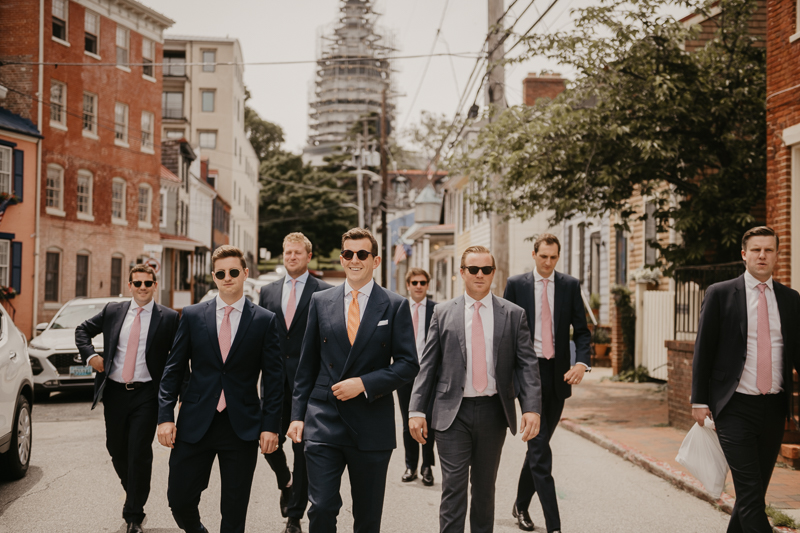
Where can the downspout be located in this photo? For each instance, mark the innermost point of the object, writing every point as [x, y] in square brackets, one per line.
[37, 238]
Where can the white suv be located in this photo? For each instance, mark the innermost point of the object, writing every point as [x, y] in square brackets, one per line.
[16, 400]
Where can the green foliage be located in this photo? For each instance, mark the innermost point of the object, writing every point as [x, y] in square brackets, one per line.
[624, 305]
[265, 136]
[594, 301]
[633, 375]
[781, 519]
[684, 129]
[601, 336]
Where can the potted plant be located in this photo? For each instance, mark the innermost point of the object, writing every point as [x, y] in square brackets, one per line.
[601, 340]
[7, 293]
[594, 305]
[648, 275]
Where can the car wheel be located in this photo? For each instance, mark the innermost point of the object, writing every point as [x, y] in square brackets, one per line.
[16, 460]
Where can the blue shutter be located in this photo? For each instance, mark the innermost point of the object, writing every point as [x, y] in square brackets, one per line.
[19, 176]
[16, 266]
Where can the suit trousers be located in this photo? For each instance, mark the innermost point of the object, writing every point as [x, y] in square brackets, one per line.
[409, 444]
[469, 451]
[367, 471]
[750, 430]
[190, 469]
[536, 476]
[278, 463]
[131, 418]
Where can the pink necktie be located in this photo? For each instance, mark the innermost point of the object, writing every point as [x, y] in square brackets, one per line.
[291, 305]
[132, 350]
[224, 348]
[764, 344]
[548, 347]
[415, 318]
[479, 378]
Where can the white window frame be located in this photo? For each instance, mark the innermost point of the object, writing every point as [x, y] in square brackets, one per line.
[92, 131]
[58, 106]
[148, 58]
[86, 215]
[162, 216]
[209, 66]
[86, 23]
[146, 223]
[65, 5]
[121, 128]
[200, 135]
[796, 35]
[203, 93]
[148, 132]
[175, 134]
[125, 35]
[121, 221]
[6, 169]
[57, 208]
[5, 262]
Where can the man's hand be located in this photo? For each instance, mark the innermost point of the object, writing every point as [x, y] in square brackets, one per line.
[700, 413]
[575, 374]
[269, 442]
[418, 427]
[348, 389]
[96, 362]
[295, 431]
[529, 427]
[166, 434]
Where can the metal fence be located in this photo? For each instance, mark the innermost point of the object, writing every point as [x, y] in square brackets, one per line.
[691, 283]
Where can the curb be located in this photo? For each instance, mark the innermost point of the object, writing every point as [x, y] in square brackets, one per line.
[680, 479]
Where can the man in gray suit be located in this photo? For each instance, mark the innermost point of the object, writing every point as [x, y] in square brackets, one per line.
[477, 344]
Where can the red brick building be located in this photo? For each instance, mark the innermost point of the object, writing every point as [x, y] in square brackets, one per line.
[100, 169]
[544, 85]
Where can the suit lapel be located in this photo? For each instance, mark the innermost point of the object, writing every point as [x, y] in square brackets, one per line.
[376, 305]
[274, 295]
[151, 332]
[241, 331]
[211, 326]
[558, 290]
[308, 290]
[336, 315]
[500, 315]
[741, 303]
[115, 331]
[459, 325]
[529, 300]
[785, 314]
[428, 315]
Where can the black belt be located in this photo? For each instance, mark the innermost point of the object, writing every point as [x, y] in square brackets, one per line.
[131, 385]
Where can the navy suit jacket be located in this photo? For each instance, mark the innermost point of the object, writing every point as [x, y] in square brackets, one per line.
[255, 350]
[160, 334]
[568, 310]
[291, 338]
[383, 355]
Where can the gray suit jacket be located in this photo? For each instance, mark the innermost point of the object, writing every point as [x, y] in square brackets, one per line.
[443, 368]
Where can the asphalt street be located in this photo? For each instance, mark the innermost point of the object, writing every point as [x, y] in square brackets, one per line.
[71, 487]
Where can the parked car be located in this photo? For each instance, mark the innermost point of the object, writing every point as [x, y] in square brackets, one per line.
[252, 289]
[57, 364]
[16, 400]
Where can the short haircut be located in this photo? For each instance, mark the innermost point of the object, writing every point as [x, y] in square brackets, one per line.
[476, 250]
[226, 250]
[356, 234]
[760, 231]
[147, 269]
[547, 238]
[417, 272]
[298, 237]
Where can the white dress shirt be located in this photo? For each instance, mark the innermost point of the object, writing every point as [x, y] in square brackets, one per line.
[298, 290]
[487, 318]
[363, 298]
[421, 311]
[747, 385]
[235, 317]
[140, 372]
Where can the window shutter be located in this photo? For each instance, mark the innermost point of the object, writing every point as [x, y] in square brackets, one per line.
[16, 266]
[19, 176]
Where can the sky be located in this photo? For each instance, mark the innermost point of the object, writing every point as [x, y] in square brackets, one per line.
[288, 30]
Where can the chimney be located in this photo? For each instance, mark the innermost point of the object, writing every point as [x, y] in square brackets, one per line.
[543, 85]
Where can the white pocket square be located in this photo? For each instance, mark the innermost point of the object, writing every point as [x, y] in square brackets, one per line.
[383, 323]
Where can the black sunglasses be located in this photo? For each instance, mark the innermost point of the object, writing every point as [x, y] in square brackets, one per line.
[138, 284]
[415, 283]
[474, 269]
[220, 274]
[361, 254]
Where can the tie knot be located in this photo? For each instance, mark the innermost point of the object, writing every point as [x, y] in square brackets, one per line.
[416, 305]
[762, 287]
[139, 311]
[544, 281]
[355, 295]
[294, 282]
[478, 306]
[228, 309]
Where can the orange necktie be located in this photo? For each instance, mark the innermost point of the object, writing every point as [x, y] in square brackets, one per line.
[353, 318]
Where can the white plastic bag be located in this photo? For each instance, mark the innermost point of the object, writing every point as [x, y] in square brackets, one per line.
[702, 455]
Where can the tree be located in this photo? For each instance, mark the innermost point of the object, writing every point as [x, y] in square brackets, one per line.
[684, 129]
[265, 137]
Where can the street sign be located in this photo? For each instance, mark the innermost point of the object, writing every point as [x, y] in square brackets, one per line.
[154, 264]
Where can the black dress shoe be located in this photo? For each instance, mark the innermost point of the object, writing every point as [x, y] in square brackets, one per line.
[293, 526]
[134, 527]
[523, 519]
[427, 476]
[286, 495]
[409, 475]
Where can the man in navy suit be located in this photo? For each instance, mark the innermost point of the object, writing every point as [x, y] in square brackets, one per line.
[553, 303]
[288, 298]
[417, 281]
[358, 348]
[137, 336]
[229, 341]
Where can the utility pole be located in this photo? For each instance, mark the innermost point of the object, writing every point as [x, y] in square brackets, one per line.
[359, 182]
[385, 194]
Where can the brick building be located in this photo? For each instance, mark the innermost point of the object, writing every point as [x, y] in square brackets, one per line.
[100, 175]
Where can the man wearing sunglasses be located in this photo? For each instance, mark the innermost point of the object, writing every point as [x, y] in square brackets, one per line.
[137, 336]
[478, 349]
[417, 281]
[358, 348]
[230, 342]
[288, 298]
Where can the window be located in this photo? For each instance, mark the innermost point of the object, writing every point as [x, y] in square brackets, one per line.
[5, 262]
[90, 113]
[147, 130]
[148, 53]
[58, 99]
[174, 63]
[581, 253]
[118, 199]
[208, 139]
[91, 30]
[171, 105]
[208, 101]
[622, 258]
[5, 169]
[82, 275]
[568, 252]
[594, 262]
[60, 11]
[121, 123]
[52, 267]
[209, 60]
[116, 276]
[55, 187]
[162, 214]
[175, 134]
[84, 197]
[650, 234]
[144, 204]
[123, 36]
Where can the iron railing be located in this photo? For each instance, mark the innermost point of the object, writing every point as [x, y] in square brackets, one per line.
[691, 283]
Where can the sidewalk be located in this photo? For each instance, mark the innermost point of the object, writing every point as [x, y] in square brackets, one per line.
[630, 419]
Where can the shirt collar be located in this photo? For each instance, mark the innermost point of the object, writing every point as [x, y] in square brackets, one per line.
[751, 282]
[147, 308]
[486, 301]
[238, 305]
[422, 303]
[302, 278]
[537, 277]
[366, 290]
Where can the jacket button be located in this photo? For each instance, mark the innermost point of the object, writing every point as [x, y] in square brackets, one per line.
[330, 365]
[288, 337]
[383, 345]
[287, 357]
[325, 339]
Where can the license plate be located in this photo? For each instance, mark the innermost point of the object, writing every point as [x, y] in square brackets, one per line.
[80, 371]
